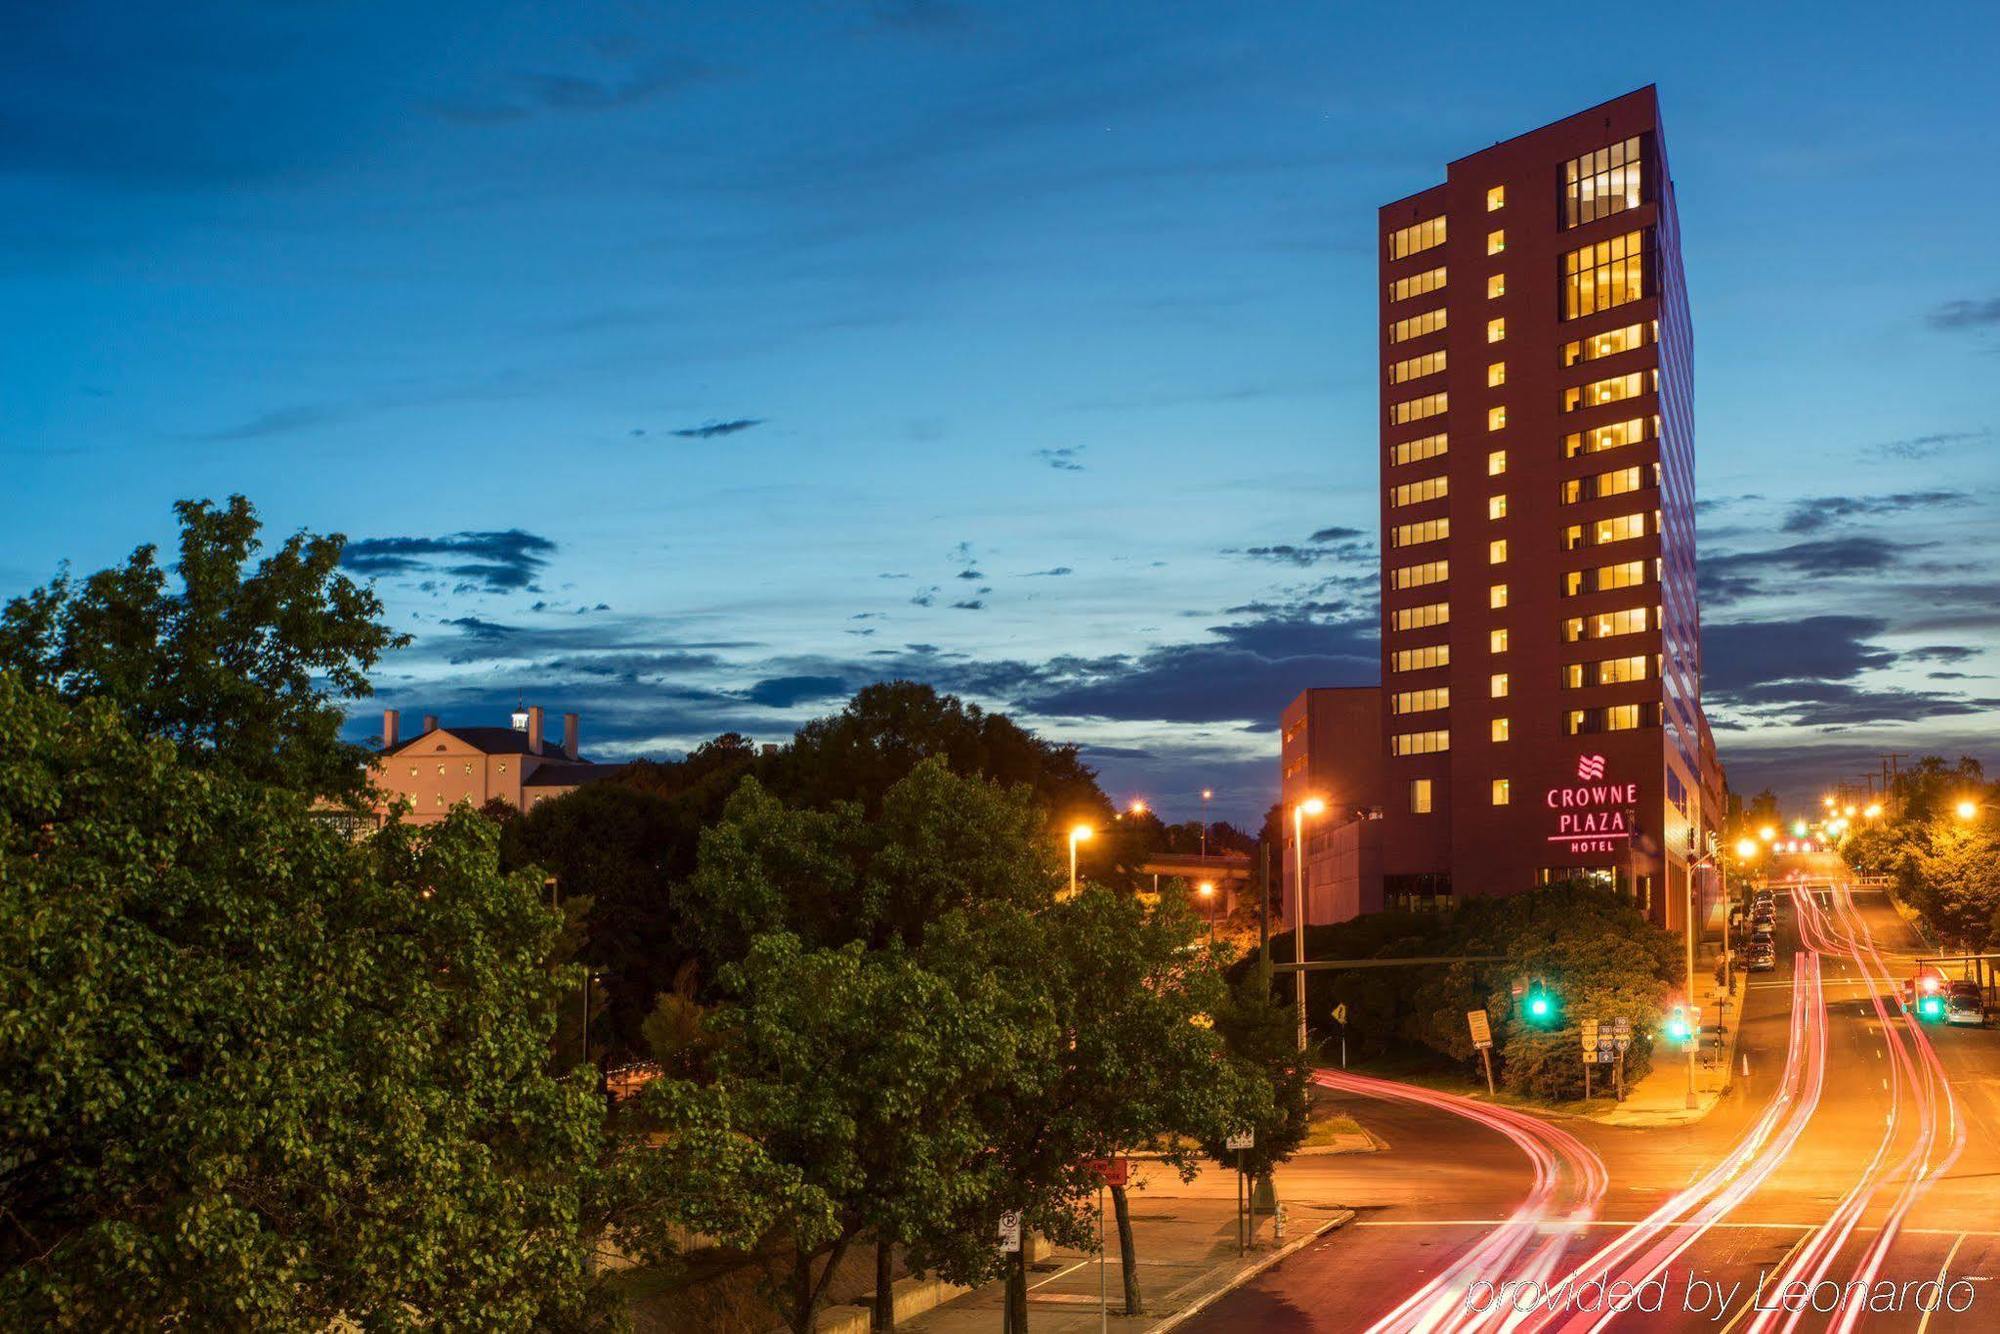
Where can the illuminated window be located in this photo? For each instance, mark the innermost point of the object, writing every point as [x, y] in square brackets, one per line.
[1496, 507]
[1610, 343]
[1424, 530]
[1626, 574]
[1496, 285]
[1416, 409]
[1499, 729]
[1496, 462]
[1416, 576]
[503, 766]
[1620, 529]
[1420, 743]
[1496, 199]
[1417, 284]
[1418, 236]
[1420, 796]
[1615, 436]
[1496, 417]
[1496, 551]
[1496, 374]
[1416, 451]
[1415, 493]
[1416, 618]
[1609, 273]
[1615, 718]
[1611, 389]
[1412, 368]
[1614, 483]
[1496, 596]
[1501, 792]
[1420, 659]
[1497, 685]
[1420, 701]
[1496, 330]
[1602, 183]
[1609, 624]
[1496, 241]
[1496, 640]
[1416, 326]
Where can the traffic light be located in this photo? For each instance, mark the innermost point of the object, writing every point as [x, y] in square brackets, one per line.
[1678, 1027]
[1543, 1006]
[1931, 1007]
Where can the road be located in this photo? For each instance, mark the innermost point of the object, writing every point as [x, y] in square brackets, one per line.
[1858, 1150]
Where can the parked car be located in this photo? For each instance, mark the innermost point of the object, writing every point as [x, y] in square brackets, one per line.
[1761, 957]
[1965, 1005]
[1762, 932]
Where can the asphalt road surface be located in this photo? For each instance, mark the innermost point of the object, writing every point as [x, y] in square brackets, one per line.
[1858, 1159]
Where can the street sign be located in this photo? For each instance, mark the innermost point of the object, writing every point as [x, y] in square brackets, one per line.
[1607, 1047]
[1242, 1139]
[1340, 1013]
[1622, 1026]
[1111, 1171]
[1482, 1028]
[1587, 1031]
[1010, 1232]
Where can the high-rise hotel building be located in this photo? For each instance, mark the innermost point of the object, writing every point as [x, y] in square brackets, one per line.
[1540, 704]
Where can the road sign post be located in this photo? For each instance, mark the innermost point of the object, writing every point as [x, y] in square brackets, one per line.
[1588, 1033]
[1340, 1017]
[1482, 1038]
[1621, 1038]
[1237, 1143]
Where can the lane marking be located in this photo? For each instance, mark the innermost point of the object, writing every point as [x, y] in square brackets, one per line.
[1943, 1269]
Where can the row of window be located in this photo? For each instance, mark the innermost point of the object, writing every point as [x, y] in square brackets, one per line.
[1608, 625]
[1607, 671]
[1420, 701]
[1412, 368]
[1625, 574]
[1621, 528]
[1416, 326]
[1417, 237]
[1604, 275]
[1420, 743]
[1576, 722]
[1416, 409]
[1421, 617]
[1420, 659]
[1616, 435]
[1599, 184]
[1416, 576]
[1416, 451]
[1416, 493]
[1417, 284]
[1611, 342]
[1424, 530]
[1611, 389]
[1617, 482]
[1612, 718]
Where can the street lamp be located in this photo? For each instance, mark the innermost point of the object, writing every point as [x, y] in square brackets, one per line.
[1138, 806]
[1968, 809]
[1767, 833]
[1207, 890]
[1874, 811]
[1310, 806]
[1206, 793]
[1077, 834]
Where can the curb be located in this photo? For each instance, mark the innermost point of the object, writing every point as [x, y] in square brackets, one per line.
[1339, 1219]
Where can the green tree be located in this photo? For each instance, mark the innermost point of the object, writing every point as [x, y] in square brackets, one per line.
[254, 1074]
[1958, 881]
[242, 669]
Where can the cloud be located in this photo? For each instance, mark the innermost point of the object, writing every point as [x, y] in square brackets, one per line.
[1053, 572]
[493, 562]
[784, 692]
[970, 574]
[925, 596]
[713, 429]
[1063, 459]
[1748, 655]
[1840, 704]
[970, 604]
[1811, 515]
[1326, 535]
[1975, 314]
[1941, 653]
[277, 421]
[1737, 575]
[530, 91]
[1918, 447]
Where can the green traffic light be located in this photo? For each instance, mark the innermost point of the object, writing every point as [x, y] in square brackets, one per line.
[1539, 1007]
[1931, 1007]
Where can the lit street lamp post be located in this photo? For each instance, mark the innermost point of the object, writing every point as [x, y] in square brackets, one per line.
[1207, 889]
[1310, 806]
[1206, 793]
[1077, 834]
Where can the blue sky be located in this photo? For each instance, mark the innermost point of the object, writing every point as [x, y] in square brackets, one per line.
[691, 365]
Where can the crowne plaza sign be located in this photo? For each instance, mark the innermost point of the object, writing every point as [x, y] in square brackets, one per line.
[1592, 815]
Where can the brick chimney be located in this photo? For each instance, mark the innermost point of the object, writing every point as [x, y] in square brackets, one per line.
[570, 730]
[392, 723]
[534, 729]
[430, 723]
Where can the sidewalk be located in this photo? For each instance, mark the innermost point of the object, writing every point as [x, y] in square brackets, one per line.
[1660, 1099]
[1185, 1238]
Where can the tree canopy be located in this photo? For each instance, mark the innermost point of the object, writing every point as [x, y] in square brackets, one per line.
[243, 669]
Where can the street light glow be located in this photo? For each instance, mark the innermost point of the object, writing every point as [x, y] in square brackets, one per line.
[1138, 806]
[1080, 833]
[1873, 812]
[1207, 888]
[1746, 848]
[1767, 833]
[1967, 809]
[1312, 806]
